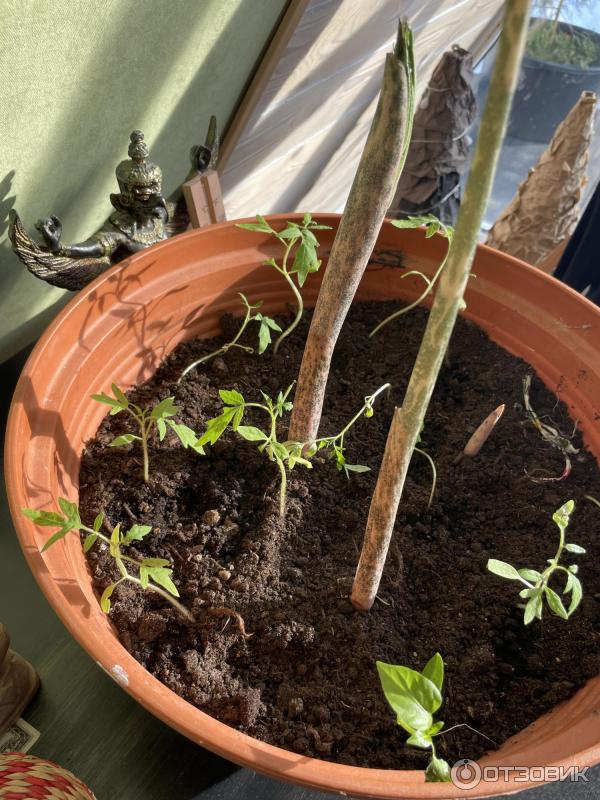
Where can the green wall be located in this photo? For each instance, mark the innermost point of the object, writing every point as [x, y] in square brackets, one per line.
[77, 77]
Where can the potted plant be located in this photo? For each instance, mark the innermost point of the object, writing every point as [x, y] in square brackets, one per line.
[123, 331]
[561, 61]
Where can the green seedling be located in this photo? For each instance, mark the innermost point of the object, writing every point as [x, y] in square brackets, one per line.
[537, 583]
[305, 257]
[161, 417]
[287, 454]
[432, 226]
[265, 326]
[415, 697]
[335, 444]
[153, 574]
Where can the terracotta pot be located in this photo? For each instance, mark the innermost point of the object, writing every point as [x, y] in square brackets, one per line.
[125, 323]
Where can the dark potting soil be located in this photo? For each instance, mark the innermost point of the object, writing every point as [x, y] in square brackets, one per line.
[305, 679]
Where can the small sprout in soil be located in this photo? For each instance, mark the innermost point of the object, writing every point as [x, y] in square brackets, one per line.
[426, 455]
[415, 697]
[305, 257]
[481, 435]
[153, 573]
[285, 454]
[266, 325]
[432, 226]
[592, 499]
[335, 444]
[551, 434]
[146, 418]
[536, 583]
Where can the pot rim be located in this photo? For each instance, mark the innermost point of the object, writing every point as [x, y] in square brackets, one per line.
[150, 692]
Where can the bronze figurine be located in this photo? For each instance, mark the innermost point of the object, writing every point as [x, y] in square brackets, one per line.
[142, 217]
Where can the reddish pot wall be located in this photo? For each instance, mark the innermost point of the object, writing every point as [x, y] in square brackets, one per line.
[125, 323]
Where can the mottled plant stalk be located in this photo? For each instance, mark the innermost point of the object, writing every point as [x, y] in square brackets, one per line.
[370, 196]
[408, 420]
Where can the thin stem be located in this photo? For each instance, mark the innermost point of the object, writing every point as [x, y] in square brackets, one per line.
[283, 486]
[258, 405]
[430, 284]
[465, 725]
[299, 303]
[223, 349]
[139, 416]
[434, 473]
[367, 404]
[145, 455]
[165, 595]
[273, 438]
[120, 558]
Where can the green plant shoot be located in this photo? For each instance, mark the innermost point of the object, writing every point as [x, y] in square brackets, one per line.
[432, 226]
[305, 257]
[153, 574]
[415, 697]
[431, 462]
[265, 326]
[537, 583]
[287, 454]
[161, 417]
[335, 444]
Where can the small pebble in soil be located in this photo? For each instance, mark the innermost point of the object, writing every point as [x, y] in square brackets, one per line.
[211, 517]
[295, 707]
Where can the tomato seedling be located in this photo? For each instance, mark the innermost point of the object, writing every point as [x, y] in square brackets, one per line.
[265, 326]
[305, 257]
[153, 574]
[415, 697]
[537, 583]
[161, 417]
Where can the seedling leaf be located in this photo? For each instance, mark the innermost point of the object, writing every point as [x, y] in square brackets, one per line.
[60, 534]
[119, 395]
[555, 603]
[503, 569]
[251, 433]
[109, 401]
[400, 682]
[186, 436]
[105, 599]
[136, 533]
[166, 408]
[438, 771]
[231, 397]
[125, 438]
[48, 519]
[434, 670]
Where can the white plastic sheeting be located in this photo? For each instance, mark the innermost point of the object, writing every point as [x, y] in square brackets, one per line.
[301, 145]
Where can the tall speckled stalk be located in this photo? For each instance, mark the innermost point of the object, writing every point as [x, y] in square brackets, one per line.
[408, 420]
[370, 196]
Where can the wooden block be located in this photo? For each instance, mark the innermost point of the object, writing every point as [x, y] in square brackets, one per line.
[204, 199]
